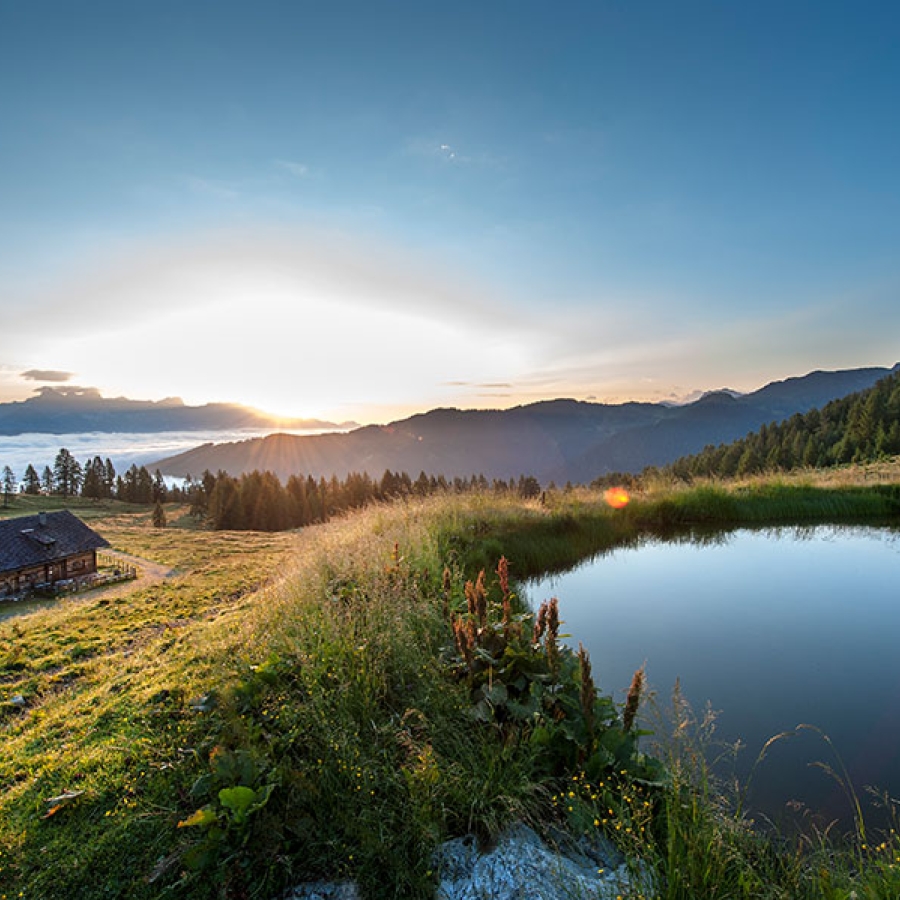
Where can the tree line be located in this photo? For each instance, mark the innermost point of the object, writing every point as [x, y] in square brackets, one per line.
[863, 427]
[96, 479]
[257, 501]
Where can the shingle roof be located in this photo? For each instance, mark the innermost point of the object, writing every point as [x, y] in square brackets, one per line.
[32, 540]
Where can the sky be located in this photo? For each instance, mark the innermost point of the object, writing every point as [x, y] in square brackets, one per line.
[361, 210]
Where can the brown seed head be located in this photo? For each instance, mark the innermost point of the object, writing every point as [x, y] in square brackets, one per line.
[470, 598]
[588, 691]
[633, 700]
[540, 623]
[481, 600]
[503, 573]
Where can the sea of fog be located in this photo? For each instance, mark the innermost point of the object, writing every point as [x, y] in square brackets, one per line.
[142, 449]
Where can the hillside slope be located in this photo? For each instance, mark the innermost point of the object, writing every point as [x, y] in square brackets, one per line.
[559, 440]
[863, 427]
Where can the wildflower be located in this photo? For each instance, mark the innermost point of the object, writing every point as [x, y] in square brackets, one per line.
[503, 573]
[547, 625]
[481, 599]
[540, 624]
[632, 701]
[469, 591]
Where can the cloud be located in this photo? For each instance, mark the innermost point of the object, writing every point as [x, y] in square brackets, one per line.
[298, 169]
[219, 189]
[504, 385]
[52, 375]
[452, 154]
[292, 320]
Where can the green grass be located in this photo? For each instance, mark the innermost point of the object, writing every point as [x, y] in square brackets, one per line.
[295, 703]
[770, 502]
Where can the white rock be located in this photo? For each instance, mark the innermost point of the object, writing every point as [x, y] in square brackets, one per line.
[325, 890]
[521, 866]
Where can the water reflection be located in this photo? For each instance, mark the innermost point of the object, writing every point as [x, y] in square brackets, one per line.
[774, 627]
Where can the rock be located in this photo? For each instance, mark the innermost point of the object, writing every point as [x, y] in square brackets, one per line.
[520, 866]
[325, 890]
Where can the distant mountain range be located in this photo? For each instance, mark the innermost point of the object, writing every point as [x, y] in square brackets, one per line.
[69, 410]
[863, 427]
[555, 440]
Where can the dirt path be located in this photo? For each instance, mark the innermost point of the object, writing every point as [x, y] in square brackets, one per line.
[148, 573]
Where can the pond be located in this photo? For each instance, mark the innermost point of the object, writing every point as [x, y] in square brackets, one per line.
[771, 628]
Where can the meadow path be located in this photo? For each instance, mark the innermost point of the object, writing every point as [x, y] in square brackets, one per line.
[148, 573]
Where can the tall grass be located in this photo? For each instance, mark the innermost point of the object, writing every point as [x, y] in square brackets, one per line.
[291, 707]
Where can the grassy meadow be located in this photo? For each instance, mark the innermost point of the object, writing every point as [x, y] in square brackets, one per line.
[334, 702]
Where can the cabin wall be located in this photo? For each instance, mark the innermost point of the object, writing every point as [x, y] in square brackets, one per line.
[76, 566]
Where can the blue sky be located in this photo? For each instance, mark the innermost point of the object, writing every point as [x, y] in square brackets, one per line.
[361, 210]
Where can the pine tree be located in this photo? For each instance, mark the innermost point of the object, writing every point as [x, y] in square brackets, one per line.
[159, 515]
[31, 481]
[9, 485]
[94, 484]
[225, 510]
[159, 491]
[67, 474]
[109, 478]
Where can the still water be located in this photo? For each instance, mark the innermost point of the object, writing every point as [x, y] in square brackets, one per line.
[772, 628]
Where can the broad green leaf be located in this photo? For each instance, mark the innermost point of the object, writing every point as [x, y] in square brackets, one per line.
[239, 800]
[496, 694]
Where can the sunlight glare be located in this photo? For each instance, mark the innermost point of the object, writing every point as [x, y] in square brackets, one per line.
[617, 497]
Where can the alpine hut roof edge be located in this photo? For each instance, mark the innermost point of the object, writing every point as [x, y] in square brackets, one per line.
[44, 537]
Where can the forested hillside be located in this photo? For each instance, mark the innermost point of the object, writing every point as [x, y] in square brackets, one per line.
[862, 427]
[556, 440]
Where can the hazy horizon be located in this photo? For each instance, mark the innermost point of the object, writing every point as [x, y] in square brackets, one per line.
[281, 423]
[356, 212]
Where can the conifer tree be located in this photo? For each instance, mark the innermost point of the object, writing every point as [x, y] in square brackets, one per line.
[31, 481]
[67, 474]
[159, 515]
[94, 484]
[9, 485]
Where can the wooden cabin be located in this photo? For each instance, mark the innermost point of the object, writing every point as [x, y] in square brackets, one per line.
[44, 549]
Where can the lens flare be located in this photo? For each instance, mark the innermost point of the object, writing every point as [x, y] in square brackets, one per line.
[616, 497]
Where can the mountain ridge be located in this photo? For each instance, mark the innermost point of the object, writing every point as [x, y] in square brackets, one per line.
[70, 409]
[554, 440]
